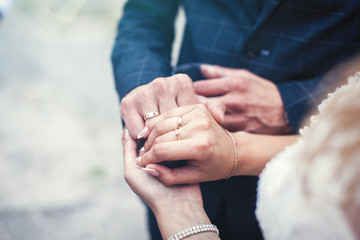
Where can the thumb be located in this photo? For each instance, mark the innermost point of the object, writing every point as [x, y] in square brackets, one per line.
[216, 107]
[217, 110]
[201, 99]
[129, 145]
[175, 176]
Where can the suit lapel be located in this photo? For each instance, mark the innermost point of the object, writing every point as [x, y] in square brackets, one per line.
[269, 7]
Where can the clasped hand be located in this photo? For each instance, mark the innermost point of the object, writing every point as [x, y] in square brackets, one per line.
[204, 144]
[252, 103]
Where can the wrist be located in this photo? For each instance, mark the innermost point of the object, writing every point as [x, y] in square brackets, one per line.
[200, 231]
[174, 219]
[251, 154]
[255, 150]
[235, 155]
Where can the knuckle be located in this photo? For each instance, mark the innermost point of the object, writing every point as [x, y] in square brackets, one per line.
[204, 146]
[158, 80]
[233, 83]
[238, 83]
[159, 85]
[143, 94]
[168, 114]
[183, 77]
[158, 140]
[204, 124]
[242, 105]
[185, 81]
[126, 104]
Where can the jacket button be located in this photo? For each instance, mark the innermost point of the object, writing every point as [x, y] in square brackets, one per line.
[251, 50]
[252, 53]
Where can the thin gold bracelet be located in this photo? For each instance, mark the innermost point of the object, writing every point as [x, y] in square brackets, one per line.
[235, 153]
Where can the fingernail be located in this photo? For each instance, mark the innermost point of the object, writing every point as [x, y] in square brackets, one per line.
[138, 160]
[152, 172]
[142, 149]
[126, 134]
[209, 69]
[143, 132]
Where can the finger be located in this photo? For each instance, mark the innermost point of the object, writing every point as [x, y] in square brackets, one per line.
[175, 112]
[202, 99]
[211, 71]
[164, 131]
[172, 120]
[167, 103]
[150, 125]
[217, 109]
[166, 93]
[182, 175]
[144, 133]
[212, 87]
[129, 149]
[216, 71]
[185, 90]
[215, 106]
[134, 106]
[235, 122]
[169, 151]
[133, 120]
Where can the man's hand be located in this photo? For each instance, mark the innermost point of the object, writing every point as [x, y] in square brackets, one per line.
[252, 103]
[162, 94]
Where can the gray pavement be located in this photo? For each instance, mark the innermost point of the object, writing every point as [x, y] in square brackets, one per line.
[61, 171]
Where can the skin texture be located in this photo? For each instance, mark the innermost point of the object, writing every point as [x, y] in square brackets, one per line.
[251, 103]
[162, 94]
[206, 147]
[238, 99]
[176, 208]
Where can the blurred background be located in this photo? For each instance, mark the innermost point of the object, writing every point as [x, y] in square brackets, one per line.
[61, 171]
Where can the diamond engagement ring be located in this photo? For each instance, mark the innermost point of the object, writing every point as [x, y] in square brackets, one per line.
[151, 115]
[177, 134]
[179, 122]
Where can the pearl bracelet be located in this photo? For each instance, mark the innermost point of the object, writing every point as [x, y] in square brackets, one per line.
[194, 230]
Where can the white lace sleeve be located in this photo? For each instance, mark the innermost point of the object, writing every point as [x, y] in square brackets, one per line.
[312, 189]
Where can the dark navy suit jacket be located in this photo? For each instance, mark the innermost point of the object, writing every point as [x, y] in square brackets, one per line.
[290, 42]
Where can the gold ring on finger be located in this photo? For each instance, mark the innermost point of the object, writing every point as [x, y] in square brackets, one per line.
[151, 115]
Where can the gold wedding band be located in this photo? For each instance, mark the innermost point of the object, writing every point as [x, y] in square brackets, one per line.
[151, 115]
[177, 134]
[179, 122]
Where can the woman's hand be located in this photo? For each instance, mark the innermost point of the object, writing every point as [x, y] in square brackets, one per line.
[201, 141]
[175, 208]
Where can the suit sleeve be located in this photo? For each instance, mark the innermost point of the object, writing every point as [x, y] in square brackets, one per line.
[300, 97]
[142, 50]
